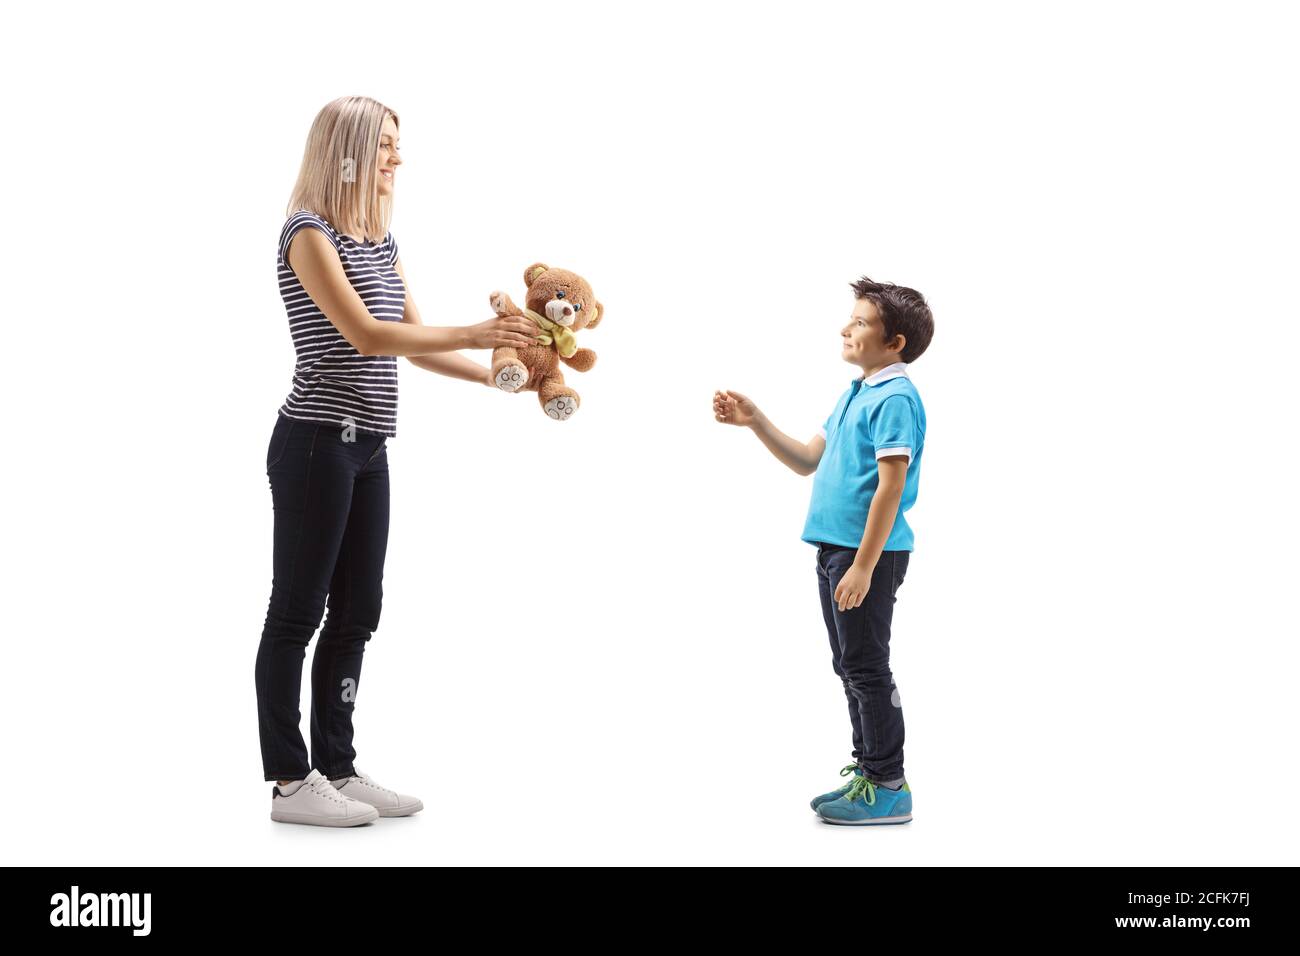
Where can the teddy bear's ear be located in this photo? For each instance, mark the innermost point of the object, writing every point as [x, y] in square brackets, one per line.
[533, 271]
[600, 314]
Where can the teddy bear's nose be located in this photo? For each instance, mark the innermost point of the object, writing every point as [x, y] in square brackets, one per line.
[557, 310]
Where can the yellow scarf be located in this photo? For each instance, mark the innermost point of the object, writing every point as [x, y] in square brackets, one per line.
[563, 338]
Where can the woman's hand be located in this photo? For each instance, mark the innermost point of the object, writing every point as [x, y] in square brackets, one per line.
[732, 408]
[514, 331]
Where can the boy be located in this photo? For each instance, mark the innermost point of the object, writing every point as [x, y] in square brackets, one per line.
[867, 460]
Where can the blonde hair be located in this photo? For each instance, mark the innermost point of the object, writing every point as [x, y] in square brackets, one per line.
[337, 180]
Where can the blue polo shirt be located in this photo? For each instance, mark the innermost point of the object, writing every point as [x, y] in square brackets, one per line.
[879, 415]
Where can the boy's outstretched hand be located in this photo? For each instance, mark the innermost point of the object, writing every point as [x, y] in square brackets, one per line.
[732, 408]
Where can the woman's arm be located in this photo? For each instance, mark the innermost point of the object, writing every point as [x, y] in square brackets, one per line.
[315, 261]
[451, 364]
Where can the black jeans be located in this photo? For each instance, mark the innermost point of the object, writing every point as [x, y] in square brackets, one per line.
[860, 655]
[329, 489]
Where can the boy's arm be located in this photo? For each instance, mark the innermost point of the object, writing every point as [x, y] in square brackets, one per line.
[895, 434]
[855, 584]
[800, 458]
[733, 408]
[883, 510]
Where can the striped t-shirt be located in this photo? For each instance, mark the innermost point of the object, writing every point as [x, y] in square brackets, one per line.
[332, 381]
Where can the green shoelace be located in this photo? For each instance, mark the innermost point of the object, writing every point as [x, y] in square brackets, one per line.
[844, 773]
[860, 786]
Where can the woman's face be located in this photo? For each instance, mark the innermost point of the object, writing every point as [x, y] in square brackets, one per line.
[389, 157]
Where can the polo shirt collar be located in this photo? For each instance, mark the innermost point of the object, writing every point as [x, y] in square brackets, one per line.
[885, 374]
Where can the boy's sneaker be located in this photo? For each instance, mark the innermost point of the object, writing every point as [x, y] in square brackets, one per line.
[314, 801]
[389, 803]
[838, 791]
[864, 804]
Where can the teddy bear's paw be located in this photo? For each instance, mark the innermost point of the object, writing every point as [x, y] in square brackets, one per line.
[511, 378]
[561, 407]
[496, 300]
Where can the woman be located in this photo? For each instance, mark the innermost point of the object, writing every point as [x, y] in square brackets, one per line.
[350, 315]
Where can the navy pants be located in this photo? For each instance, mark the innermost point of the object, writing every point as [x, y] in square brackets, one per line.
[329, 489]
[860, 656]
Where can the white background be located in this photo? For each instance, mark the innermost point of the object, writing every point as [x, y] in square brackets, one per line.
[1095, 644]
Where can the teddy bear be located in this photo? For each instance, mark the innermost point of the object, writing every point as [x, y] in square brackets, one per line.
[560, 303]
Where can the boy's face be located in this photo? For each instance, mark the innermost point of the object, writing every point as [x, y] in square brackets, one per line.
[863, 339]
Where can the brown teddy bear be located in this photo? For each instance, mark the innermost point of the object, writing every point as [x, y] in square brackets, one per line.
[560, 303]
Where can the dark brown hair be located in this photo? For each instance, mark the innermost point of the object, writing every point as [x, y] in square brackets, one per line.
[902, 311]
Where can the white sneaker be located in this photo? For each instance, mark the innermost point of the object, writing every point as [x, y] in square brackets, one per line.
[313, 800]
[389, 803]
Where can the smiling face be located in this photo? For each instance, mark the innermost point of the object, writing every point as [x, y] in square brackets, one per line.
[389, 156]
[863, 337]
